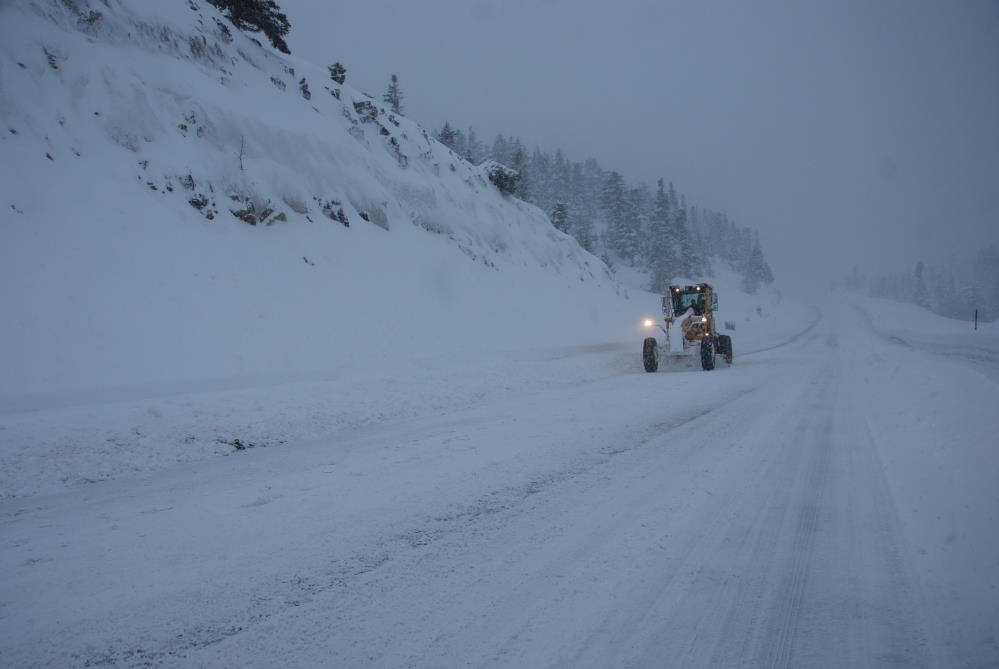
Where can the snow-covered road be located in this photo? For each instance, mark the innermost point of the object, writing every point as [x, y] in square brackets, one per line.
[828, 502]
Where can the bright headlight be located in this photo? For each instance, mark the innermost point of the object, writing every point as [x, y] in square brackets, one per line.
[649, 322]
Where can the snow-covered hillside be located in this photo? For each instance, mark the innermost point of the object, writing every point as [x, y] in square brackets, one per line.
[133, 135]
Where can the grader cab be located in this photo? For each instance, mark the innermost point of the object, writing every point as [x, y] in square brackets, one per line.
[692, 310]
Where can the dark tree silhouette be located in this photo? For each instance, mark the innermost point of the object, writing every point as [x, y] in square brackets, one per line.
[393, 96]
[257, 16]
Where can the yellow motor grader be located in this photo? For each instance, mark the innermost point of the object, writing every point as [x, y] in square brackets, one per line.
[692, 308]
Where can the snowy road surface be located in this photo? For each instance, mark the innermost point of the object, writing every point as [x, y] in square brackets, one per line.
[830, 502]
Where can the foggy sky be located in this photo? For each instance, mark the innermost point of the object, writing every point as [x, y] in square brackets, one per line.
[845, 132]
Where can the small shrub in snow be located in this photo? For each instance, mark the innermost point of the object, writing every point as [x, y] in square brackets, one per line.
[237, 443]
[90, 20]
[402, 158]
[366, 110]
[338, 73]
[332, 210]
[51, 57]
[277, 82]
[245, 215]
[505, 178]
[224, 33]
[303, 86]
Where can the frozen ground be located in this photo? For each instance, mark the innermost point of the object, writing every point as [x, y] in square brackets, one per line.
[828, 501]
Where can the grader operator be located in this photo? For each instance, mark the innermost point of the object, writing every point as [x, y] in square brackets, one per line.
[693, 309]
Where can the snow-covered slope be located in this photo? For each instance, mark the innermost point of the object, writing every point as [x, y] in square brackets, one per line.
[145, 324]
[131, 132]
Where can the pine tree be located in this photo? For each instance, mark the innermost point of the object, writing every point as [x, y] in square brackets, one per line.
[542, 194]
[919, 294]
[560, 217]
[501, 151]
[697, 262]
[582, 229]
[520, 163]
[473, 147]
[393, 95]
[662, 246]
[757, 271]
[460, 145]
[612, 201]
[678, 235]
[446, 135]
[634, 224]
[853, 281]
[257, 16]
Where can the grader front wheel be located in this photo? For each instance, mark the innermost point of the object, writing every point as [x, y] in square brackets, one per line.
[707, 354]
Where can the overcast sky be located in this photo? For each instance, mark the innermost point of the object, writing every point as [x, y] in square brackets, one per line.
[844, 131]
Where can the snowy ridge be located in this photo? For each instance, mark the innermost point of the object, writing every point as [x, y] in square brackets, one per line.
[134, 134]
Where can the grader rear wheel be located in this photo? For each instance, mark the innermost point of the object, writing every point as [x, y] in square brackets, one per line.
[725, 348]
[650, 354]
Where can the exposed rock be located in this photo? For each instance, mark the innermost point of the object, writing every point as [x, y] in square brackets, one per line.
[367, 110]
[245, 215]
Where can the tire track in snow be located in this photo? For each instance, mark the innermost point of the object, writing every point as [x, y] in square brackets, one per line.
[797, 336]
[782, 632]
[966, 353]
[487, 512]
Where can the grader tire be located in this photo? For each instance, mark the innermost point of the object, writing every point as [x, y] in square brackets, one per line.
[707, 354]
[725, 348]
[650, 354]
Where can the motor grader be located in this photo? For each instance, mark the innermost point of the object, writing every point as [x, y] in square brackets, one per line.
[692, 310]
